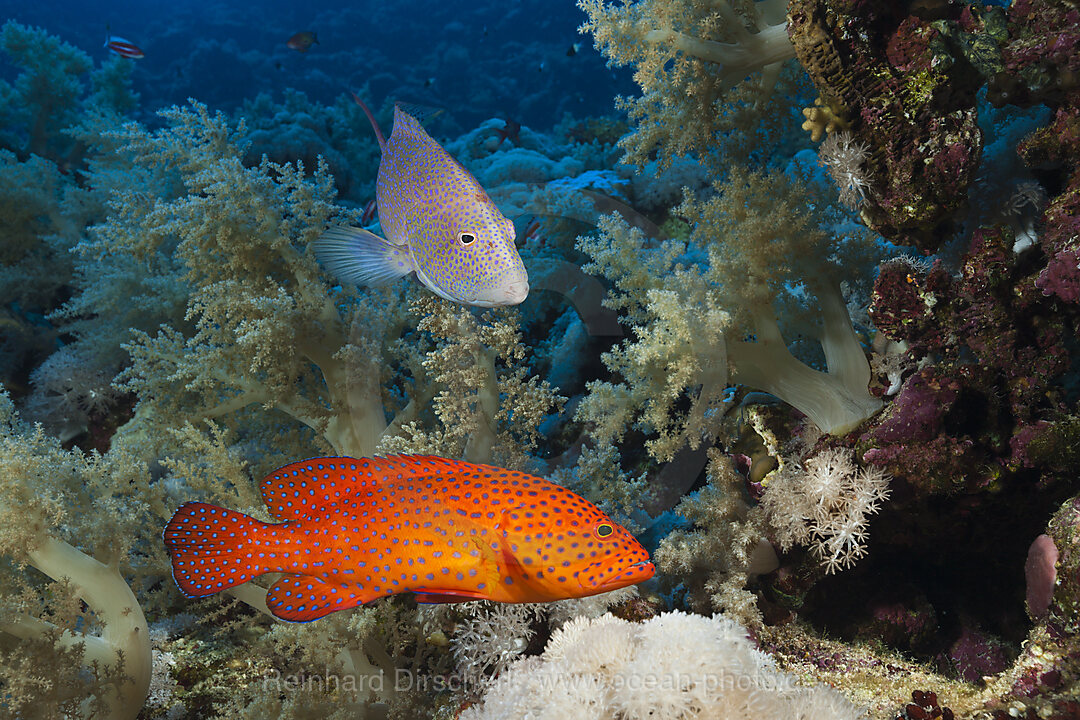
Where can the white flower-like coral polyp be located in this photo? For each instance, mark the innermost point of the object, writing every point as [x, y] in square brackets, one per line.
[826, 504]
[844, 158]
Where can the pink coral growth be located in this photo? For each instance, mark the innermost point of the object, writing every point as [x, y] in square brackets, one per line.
[1040, 571]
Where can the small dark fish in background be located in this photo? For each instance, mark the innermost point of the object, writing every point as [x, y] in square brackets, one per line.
[429, 82]
[574, 49]
[302, 41]
[123, 48]
[509, 132]
[532, 231]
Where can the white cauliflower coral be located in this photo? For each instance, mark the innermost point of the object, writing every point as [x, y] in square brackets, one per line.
[675, 666]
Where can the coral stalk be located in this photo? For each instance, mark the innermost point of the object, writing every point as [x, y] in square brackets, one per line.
[836, 400]
[125, 637]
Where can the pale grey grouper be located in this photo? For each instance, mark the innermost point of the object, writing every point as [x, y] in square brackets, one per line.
[438, 222]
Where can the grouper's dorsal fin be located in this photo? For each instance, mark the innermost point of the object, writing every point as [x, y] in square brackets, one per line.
[371, 118]
[411, 117]
[300, 489]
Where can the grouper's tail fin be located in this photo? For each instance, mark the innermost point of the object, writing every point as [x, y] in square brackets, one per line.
[213, 549]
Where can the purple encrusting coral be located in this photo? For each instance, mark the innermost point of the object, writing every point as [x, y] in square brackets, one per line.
[897, 78]
[1041, 64]
[988, 401]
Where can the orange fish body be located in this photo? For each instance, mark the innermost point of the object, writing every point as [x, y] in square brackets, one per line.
[353, 530]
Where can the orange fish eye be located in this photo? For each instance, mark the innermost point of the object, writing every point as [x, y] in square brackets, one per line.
[466, 238]
[603, 530]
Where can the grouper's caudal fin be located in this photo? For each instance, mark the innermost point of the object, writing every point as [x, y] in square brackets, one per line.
[371, 118]
[213, 548]
[353, 254]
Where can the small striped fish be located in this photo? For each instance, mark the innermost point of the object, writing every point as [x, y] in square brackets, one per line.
[352, 530]
[123, 48]
[438, 222]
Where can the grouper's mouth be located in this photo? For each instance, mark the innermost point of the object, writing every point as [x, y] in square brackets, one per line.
[632, 574]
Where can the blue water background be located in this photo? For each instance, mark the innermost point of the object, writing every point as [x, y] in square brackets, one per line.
[476, 60]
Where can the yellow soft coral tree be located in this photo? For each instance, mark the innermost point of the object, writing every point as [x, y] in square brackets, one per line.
[688, 55]
[716, 559]
[74, 641]
[485, 407]
[705, 315]
[263, 316]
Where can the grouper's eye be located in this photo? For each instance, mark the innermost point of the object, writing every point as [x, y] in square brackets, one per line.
[603, 530]
[466, 238]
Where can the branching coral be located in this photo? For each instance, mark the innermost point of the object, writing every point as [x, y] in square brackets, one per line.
[67, 391]
[489, 639]
[688, 55]
[715, 559]
[45, 97]
[843, 157]
[261, 312]
[42, 215]
[488, 409]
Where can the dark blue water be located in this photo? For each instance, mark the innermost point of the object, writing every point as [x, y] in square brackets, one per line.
[475, 59]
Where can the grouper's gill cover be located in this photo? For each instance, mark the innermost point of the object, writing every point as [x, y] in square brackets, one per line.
[353, 530]
[439, 223]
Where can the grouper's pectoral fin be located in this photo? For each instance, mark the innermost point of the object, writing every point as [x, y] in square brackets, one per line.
[303, 598]
[361, 257]
[476, 576]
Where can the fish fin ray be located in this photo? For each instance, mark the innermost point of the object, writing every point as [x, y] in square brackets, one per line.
[303, 598]
[208, 548]
[417, 114]
[315, 481]
[425, 465]
[371, 118]
[359, 256]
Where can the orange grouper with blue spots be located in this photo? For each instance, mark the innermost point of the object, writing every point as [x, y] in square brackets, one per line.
[352, 530]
